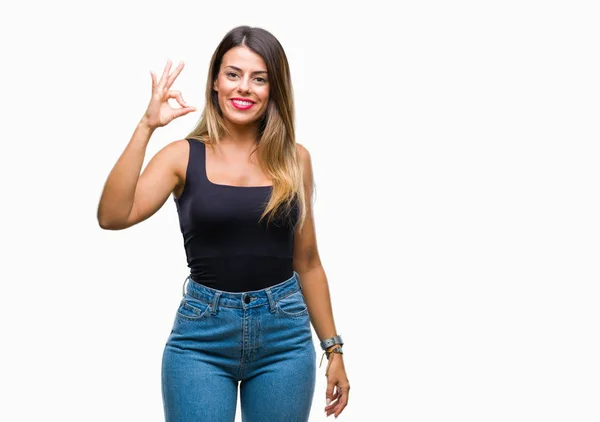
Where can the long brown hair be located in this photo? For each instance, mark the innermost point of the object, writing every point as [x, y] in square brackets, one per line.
[277, 155]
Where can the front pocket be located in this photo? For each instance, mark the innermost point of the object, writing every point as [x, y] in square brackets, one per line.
[292, 305]
[192, 309]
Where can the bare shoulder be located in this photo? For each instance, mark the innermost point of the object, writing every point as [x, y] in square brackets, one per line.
[174, 151]
[305, 163]
[302, 151]
[178, 148]
[303, 156]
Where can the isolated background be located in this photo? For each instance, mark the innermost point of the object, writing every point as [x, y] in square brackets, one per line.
[455, 152]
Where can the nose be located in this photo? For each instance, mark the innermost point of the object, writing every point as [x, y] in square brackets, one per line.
[244, 85]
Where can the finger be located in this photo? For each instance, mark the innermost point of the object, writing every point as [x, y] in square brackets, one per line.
[333, 402]
[165, 74]
[329, 393]
[336, 406]
[173, 94]
[330, 408]
[342, 402]
[178, 97]
[183, 111]
[336, 395]
[154, 82]
[174, 75]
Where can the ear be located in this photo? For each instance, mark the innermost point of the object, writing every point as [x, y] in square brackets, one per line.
[216, 85]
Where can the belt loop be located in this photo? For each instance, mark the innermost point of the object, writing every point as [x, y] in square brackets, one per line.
[270, 298]
[297, 276]
[184, 284]
[215, 303]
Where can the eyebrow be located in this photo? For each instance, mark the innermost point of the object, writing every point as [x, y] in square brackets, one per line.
[239, 70]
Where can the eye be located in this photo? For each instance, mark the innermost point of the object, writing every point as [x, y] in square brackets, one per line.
[262, 80]
[230, 74]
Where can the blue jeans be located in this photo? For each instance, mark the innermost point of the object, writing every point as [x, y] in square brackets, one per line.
[261, 339]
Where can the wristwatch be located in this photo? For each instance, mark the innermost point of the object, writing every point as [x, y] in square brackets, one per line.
[328, 342]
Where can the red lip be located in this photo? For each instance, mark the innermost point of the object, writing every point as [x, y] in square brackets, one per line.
[243, 99]
[241, 107]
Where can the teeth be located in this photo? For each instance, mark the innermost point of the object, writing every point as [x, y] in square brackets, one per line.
[243, 103]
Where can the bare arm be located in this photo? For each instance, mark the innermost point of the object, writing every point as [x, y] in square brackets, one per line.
[127, 197]
[316, 292]
[307, 262]
[117, 197]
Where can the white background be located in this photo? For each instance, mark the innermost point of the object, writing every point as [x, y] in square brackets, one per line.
[455, 152]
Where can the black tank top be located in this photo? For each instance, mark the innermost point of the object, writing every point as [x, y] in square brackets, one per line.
[226, 247]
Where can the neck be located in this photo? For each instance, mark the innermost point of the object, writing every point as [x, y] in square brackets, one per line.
[244, 136]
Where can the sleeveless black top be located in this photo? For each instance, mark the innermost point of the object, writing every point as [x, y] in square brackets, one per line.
[226, 247]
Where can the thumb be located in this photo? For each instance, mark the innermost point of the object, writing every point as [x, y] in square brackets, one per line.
[182, 111]
[329, 392]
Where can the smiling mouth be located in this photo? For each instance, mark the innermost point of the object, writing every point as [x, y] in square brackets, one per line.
[242, 105]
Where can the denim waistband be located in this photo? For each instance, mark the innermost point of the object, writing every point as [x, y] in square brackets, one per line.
[268, 295]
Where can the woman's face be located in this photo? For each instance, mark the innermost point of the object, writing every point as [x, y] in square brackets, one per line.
[242, 86]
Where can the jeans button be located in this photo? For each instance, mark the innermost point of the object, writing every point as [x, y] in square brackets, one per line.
[247, 299]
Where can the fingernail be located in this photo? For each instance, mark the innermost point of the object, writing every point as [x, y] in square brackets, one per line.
[327, 401]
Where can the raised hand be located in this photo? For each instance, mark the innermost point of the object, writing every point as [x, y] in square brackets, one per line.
[160, 112]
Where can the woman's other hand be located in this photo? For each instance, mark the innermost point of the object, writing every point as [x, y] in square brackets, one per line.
[336, 377]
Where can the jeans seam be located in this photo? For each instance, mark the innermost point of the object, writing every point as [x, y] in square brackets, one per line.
[194, 318]
[295, 315]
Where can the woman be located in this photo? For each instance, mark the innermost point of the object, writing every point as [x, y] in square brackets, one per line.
[243, 191]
